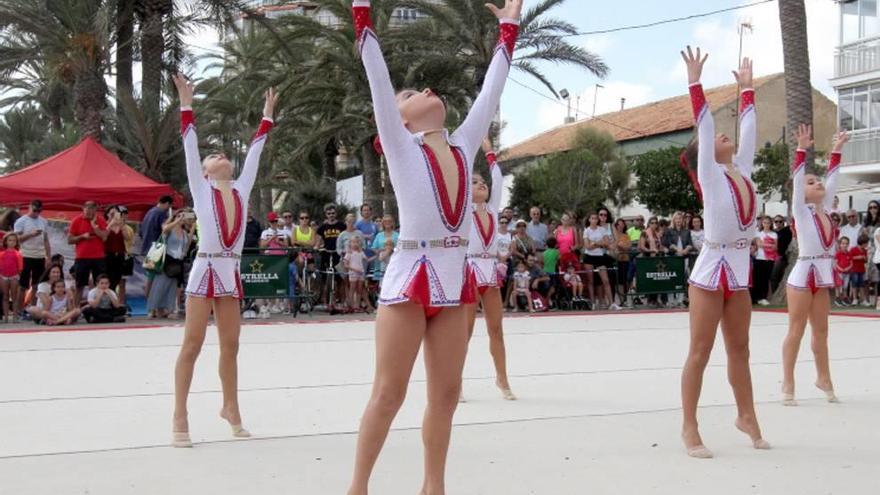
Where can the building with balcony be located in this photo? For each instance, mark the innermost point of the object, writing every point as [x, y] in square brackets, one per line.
[857, 81]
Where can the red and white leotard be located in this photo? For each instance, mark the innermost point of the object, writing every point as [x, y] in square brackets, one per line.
[482, 250]
[724, 261]
[816, 239]
[215, 271]
[429, 266]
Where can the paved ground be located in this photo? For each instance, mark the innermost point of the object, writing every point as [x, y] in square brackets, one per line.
[89, 412]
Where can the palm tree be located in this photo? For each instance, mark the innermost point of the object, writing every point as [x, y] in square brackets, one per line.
[73, 37]
[798, 89]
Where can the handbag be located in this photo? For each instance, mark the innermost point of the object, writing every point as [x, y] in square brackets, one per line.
[172, 267]
[155, 256]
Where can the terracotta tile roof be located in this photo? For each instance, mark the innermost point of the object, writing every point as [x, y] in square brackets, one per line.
[659, 117]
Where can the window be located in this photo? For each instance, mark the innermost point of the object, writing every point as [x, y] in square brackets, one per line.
[860, 108]
[875, 107]
[845, 109]
[849, 29]
[870, 23]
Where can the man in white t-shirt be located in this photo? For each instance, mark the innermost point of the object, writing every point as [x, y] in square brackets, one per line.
[852, 230]
[33, 236]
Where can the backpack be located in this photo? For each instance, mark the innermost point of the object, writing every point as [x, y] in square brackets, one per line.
[539, 302]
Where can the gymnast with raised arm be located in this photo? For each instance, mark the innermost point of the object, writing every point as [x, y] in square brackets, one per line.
[220, 203]
[719, 281]
[424, 287]
[812, 278]
[483, 265]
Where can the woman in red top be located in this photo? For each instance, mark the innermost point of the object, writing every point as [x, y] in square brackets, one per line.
[567, 235]
[11, 264]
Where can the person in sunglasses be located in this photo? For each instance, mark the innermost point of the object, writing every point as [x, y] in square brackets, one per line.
[220, 203]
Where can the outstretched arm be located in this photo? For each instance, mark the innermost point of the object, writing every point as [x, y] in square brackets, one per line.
[707, 170]
[833, 166]
[477, 122]
[497, 188]
[392, 131]
[748, 125]
[197, 183]
[252, 160]
[798, 172]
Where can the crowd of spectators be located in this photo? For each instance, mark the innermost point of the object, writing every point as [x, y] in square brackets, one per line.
[586, 262]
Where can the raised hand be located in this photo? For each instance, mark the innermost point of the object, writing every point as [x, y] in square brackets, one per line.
[744, 74]
[271, 100]
[842, 139]
[184, 89]
[804, 136]
[694, 63]
[511, 9]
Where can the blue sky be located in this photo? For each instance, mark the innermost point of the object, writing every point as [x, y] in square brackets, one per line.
[645, 65]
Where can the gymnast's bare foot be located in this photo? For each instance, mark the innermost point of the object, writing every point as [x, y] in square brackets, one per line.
[749, 426]
[788, 395]
[233, 416]
[828, 388]
[694, 444]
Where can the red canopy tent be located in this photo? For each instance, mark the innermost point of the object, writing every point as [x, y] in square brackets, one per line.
[84, 172]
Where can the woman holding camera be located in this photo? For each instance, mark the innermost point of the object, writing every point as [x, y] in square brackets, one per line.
[162, 300]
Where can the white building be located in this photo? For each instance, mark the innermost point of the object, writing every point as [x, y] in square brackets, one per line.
[857, 81]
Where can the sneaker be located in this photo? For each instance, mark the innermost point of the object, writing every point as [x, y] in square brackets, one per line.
[764, 302]
[249, 315]
[866, 304]
[614, 307]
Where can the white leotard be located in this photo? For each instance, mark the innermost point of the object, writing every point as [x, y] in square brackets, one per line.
[729, 224]
[429, 264]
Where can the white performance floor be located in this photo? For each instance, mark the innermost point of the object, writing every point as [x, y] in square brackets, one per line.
[89, 412]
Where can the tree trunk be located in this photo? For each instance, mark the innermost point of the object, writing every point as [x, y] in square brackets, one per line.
[90, 99]
[124, 59]
[798, 90]
[152, 50]
[372, 178]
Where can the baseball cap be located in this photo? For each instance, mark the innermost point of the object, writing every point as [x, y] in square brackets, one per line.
[272, 216]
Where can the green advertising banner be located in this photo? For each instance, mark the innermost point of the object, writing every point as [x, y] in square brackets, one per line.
[660, 275]
[264, 275]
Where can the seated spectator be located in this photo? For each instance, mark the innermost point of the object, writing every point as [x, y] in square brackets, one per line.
[521, 292]
[574, 283]
[103, 304]
[521, 246]
[11, 265]
[539, 279]
[44, 290]
[57, 308]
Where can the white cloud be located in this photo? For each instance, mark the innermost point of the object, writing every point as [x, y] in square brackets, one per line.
[598, 44]
[764, 44]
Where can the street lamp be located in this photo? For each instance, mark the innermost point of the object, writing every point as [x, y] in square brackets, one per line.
[596, 97]
[567, 97]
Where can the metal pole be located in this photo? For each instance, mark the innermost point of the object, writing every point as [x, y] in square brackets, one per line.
[596, 97]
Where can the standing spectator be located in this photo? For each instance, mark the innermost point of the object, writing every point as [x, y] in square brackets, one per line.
[274, 239]
[783, 240]
[698, 235]
[835, 205]
[355, 265]
[33, 236]
[765, 257]
[551, 266]
[649, 242]
[567, 236]
[11, 266]
[367, 227]
[553, 225]
[677, 239]
[872, 223]
[252, 232]
[119, 238]
[859, 256]
[287, 222]
[162, 300]
[328, 233]
[522, 246]
[505, 237]
[842, 266]
[151, 225]
[596, 243]
[387, 233]
[88, 232]
[7, 222]
[635, 231]
[103, 303]
[852, 230]
[622, 248]
[537, 229]
[348, 235]
[507, 213]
